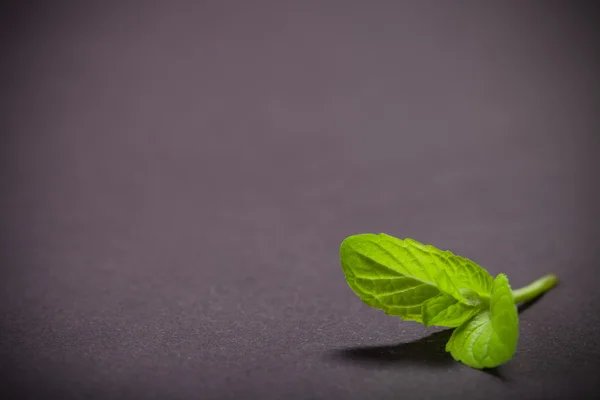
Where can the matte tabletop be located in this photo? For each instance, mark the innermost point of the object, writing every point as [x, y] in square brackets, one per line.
[177, 177]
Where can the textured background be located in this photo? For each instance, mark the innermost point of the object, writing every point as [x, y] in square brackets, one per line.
[176, 179]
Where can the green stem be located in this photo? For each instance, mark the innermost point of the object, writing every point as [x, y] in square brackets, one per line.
[535, 288]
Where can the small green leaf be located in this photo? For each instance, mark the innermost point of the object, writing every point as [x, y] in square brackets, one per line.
[399, 276]
[490, 338]
[375, 273]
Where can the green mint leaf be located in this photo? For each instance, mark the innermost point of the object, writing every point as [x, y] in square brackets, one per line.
[400, 276]
[421, 283]
[490, 338]
[374, 272]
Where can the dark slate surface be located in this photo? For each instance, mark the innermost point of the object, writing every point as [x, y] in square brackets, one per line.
[177, 178]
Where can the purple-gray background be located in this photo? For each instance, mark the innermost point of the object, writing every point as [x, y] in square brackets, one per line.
[176, 178]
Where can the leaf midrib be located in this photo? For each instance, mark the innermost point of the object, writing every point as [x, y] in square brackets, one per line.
[394, 271]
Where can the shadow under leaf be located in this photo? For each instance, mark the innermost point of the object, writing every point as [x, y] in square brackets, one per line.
[429, 350]
[496, 373]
